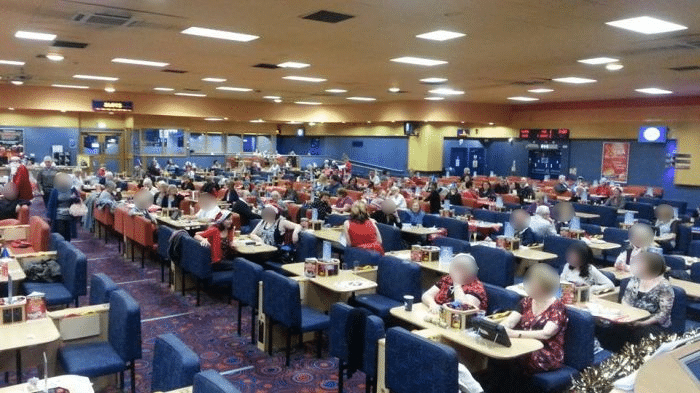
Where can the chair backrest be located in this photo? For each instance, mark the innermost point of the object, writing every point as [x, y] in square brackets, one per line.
[461, 210]
[337, 341]
[174, 364]
[500, 299]
[558, 245]
[119, 220]
[56, 241]
[456, 229]
[163, 236]
[694, 248]
[391, 237]
[674, 262]
[484, 215]
[23, 215]
[592, 229]
[434, 371]
[579, 339]
[681, 205]
[195, 258]
[293, 210]
[496, 266]
[101, 286]
[374, 331]
[458, 246]
[129, 226]
[308, 246]
[644, 210]
[73, 269]
[685, 235]
[335, 220]
[39, 232]
[143, 231]
[617, 236]
[695, 272]
[354, 256]
[281, 299]
[125, 325]
[396, 278]
[210, 381]
[244, 286]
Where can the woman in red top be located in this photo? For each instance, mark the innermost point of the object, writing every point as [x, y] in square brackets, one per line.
[461, 285]
[361, 231]
[219, 236]
[21, 180]
[344, 202]
[540, 316]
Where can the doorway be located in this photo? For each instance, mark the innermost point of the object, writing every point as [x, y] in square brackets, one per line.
[103, 148]
[473, 158]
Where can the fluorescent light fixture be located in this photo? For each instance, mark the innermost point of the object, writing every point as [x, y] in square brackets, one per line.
[70, 86]
[654, 91]
[362, 98]
[336, 91]
[257, 121]
[30, 35]
[11, 109]
[272, 97]
[295, 122]
[523, 99]
[434, 98]
[214, 118]
[446, 91]
[278, 100]
[96, 78]
[110, 89]
[55, 57]
[214, 80]
[418, 61]
[574, 80]
[191, 94]
[599, 60]
[17, 82]
[394, 90]
[490, 123]
[147, 63]
[440, 35]
[163, 89]
[541, 90]
[614, 67]
[304, 79]
[307, 102]
[433, 80]
[227, 88]
[219, 34]
[646, 25]
[293, 64]
[12, 62]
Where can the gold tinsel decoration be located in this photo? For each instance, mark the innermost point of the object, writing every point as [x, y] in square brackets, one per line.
[631, 357]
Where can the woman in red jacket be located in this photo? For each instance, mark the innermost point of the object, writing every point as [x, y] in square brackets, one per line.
[219, 236]
[21, 180]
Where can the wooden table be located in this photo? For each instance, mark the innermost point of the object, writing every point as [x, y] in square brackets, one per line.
[346, 282]
[252, 249]
[419, 230]
[602, 245]
[17, 336]
[16, 273]
[186, 224]
[587, 216]
[72, 383]
[330, 234]
[665, 237]
[667, 372]
[530, 254]
[612, 311]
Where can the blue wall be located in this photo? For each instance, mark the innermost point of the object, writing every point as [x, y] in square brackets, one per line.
[38, 140]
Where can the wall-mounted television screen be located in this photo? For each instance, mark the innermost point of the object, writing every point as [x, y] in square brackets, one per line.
[301, 131]
[410, 128]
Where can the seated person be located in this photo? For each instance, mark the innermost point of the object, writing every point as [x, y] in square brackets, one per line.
[562, 186]
[666, 224]
[454, 196]
[434, 198]
[524, 190]
[290, 194]
[396, 197]
[579, 269]
[502, 187]
[344, 202]
[187, 184]
[461, 285]
[208, 206]
[62, 197]
[9, 204]
[541, 316]
[273, 228]
[616, 200]
[563, 213]
[161, 194]
[541, 223]
[485, 191]
[641, 237]
[322, 205]
[231, 195]
[388, 214]
[520, 220]
[219, 236]
[361, 231]
[143, 200]
[276, 199]
[173, 199]
[416, 214]
[242, 208]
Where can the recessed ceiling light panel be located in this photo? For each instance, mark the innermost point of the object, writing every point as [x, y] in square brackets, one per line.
[304, 79]
[214, 80]
[12, 62]
[599, 60]
[293, 64]
[30, 35]
[307, 103]
[190, 94]
[69, 86]
[336, 91]
[523, 99]
[574, 80]
[654, 91]
[418, 61]
[646, 25]
[362, 98]
[96, 78]
[163, 89]
[440, 35]
[541, 90]
[447, 91]
[433, 81]
[228, 88]
[147, 63]
[219, 34]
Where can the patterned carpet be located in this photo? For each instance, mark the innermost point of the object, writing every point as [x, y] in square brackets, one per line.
[210, 330]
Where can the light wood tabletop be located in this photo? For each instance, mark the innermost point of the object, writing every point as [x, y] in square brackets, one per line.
[15, 270]
[241, 245]
[433, 266]
[26, 334]
[589, 216]
[530, 254]
[601, 245]
[72, 383]
[329, 234]
[467, 339]
[665, 237]
[419, 230]
[186, 224]
[345, 282]
[667, 372]
[612, 311]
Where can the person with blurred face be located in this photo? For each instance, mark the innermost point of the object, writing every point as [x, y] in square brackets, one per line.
[388, 215]
[520, 220]
[173, 199]
[641, 237]
[21, 180]
[46, 177]
[162, 193]
[9, 203]
[579, 269]
[208, 206]
[142, 202]
[272, 229]
[666, 224]
[63, 195]
[416, 214]
[460, 285]
[219, 237]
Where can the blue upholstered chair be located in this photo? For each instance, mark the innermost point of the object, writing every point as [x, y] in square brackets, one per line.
[196, 261]
[500, 299]
[558, 245]
[644, 210]
[101, 286]
[163, 236]
[308, 246]
[674, 262]
[685, 236]
[496, 266]
[374, 331]
[617, 236]
[74, 278]
[682, 206]
[578, 352]
[55, 241]
[678, 312]
[244, 289]
[282, 305]
[484, 215]
[391, 237]
[456, 229]
[210, 381]
[458, 246]
[337, 338]
[117, 354]
[174, 364]
[461, 210]
[592, 229]
[354, 256]
[433, 371]
[694, 248]
[335, 220]
[693, 308]
[246, 229]
[395, 278]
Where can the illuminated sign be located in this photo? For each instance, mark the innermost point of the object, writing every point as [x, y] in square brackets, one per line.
[112, 106]
[545, 135]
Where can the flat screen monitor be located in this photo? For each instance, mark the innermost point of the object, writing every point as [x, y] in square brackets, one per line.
[301, 131]
[491, 331]
[653, 134]
[410, 128]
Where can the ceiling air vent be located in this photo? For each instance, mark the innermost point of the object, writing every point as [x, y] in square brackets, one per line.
[686, 68]
[172, 71]
[192, 90]
[69, 44]
[528, 83]
[328, 16]
[103, 20]
[267, 66]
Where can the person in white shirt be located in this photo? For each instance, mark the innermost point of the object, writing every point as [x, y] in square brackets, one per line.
[148, 186]
[580, 270]
[374, 178]
[641, 237]
[541, 223]
[398, 199]
[208, 206]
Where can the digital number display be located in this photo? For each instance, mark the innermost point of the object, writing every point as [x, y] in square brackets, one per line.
[545, 135]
